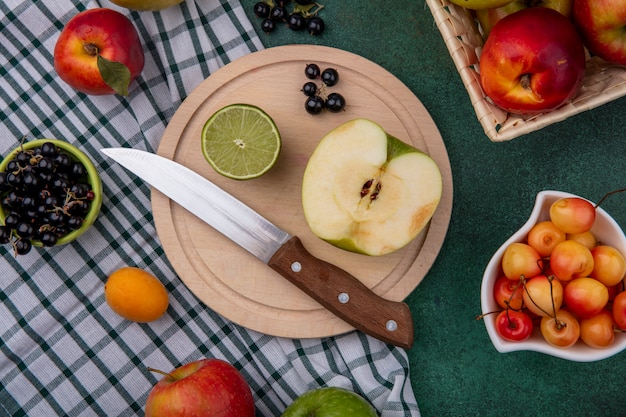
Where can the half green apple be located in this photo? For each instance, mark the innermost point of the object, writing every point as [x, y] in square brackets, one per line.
[366, 191]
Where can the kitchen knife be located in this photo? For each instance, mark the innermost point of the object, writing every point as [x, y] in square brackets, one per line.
[332, 287]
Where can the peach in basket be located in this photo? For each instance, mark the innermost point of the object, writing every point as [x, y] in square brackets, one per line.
[606, 232]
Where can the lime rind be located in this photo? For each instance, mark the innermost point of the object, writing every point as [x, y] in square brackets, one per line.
[241, 141]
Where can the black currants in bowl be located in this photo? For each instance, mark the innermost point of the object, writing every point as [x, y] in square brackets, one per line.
[45, 194]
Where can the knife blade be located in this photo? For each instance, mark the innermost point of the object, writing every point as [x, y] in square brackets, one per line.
[332, 287]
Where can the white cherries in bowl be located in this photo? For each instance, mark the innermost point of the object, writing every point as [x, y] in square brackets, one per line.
[557, 285]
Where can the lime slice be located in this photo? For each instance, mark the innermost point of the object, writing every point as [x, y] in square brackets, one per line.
[241, 141]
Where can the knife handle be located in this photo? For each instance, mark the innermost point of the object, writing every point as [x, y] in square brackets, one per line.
[344, 295]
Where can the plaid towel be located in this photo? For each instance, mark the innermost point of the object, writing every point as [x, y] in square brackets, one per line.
[62, 350]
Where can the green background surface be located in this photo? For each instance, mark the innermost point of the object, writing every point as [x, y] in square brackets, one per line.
[455, 370]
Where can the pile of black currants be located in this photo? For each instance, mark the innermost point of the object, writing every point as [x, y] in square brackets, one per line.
[45, 194]
[317, 101]
[304, 15]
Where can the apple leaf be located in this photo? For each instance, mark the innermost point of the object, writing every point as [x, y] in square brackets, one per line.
[115, 74]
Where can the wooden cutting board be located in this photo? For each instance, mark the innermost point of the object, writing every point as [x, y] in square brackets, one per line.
[227, 278]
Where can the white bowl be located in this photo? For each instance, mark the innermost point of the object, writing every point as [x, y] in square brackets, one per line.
[606, 230]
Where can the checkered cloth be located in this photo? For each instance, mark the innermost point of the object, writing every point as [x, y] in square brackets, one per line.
[62, 350]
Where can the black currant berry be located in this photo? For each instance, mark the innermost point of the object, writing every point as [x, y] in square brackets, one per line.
[309, 89]
[12, 200]
[79, 207]
[63, 162]
[55, 218]
[77, 169]
[335, 102]
[14, 180]
[262, 9]
[80, 190]
[22, 246]
[61, 231]
[46, 177]
[29, 203]
[314, 105]
[25, 230]
[41, 212]
[59, 182]
[45, 164]
[48, 238]
[5, 234]
[12, 220]
[51, 201]
[23, 158]
[312, 71]
[30, 181]
[296, 21]
[315, 25]
[74, 222]
[48, 149]
[268, 25]
[278, 14]
[330, 76]
[4, 184]
[13, 166]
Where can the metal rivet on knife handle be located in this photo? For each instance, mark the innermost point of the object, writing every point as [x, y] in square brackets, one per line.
[344, 295]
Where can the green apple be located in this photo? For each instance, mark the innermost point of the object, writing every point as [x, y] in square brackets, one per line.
[366, 191]
[489, 17]
[480, 4]
[330, 402]
[146, 4]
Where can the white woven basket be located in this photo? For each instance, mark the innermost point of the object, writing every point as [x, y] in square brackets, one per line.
[603, 82]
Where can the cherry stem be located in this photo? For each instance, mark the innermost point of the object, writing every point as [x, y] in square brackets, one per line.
[508, 302]
[482, 316]
[560, 325]
[609, 194]
[523, 281]
[550, 279]
[511, 323]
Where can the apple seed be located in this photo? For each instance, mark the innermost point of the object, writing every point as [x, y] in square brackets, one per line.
[366, 187]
